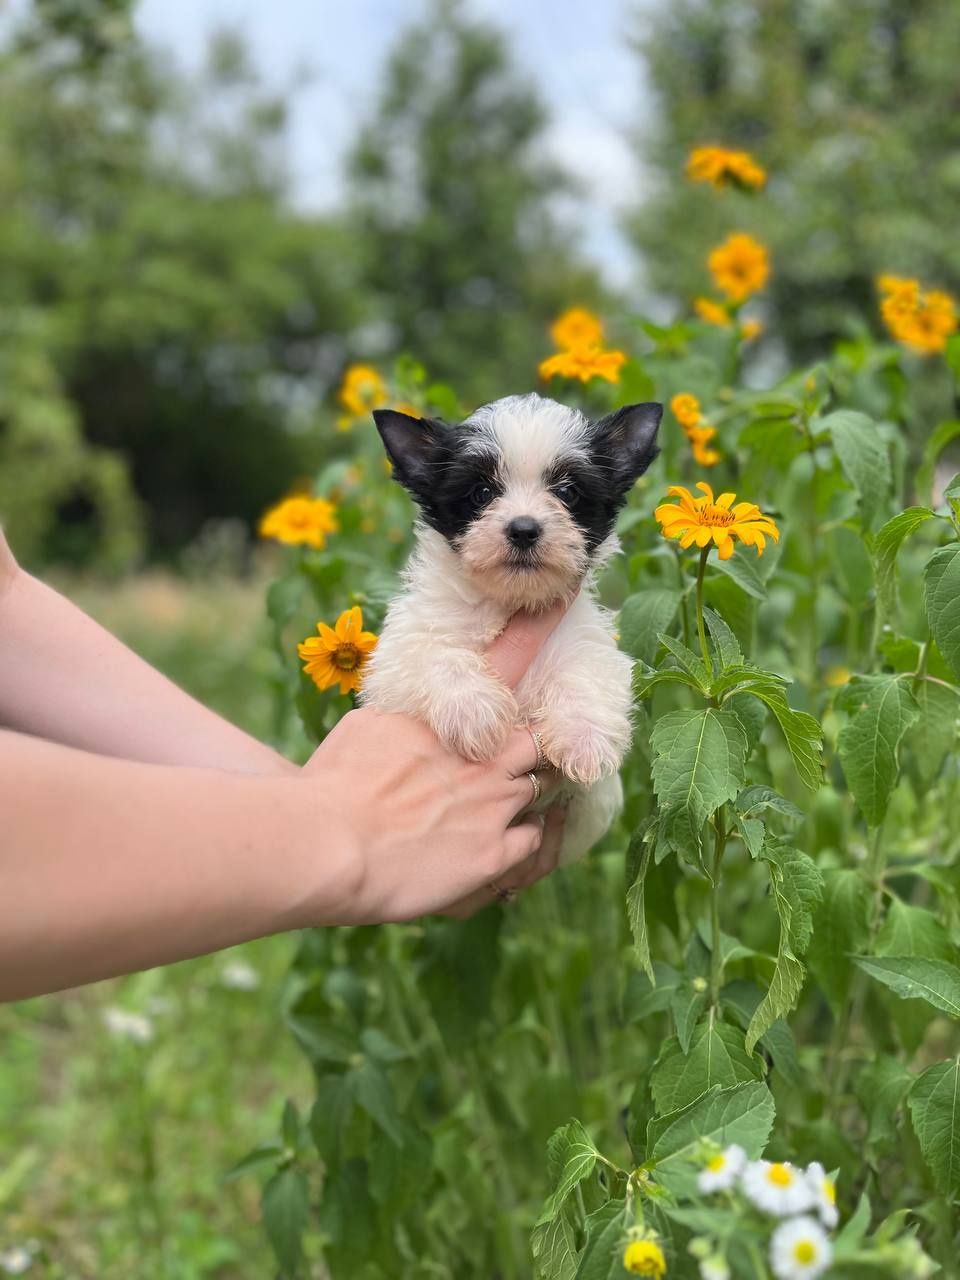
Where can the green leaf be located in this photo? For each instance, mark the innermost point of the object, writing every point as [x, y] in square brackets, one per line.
[913, 931]
[885, 547]
[915, 978]
[863, 457]
[751, 714]
[801, 731]
[716, 1057]
[939, 438]
[645, 679]
[725, 643]
[840, 925]
[687, 1002]
[941, 587]
[796, 885]
[290, 1125]
[554, 1250]
[643, 617]
[931, 740]
[882, 709]
[635, 907]
[284, 1206]
[742, 999]
[698, 765]
[881, 1087]
[935, 1111]
[398, 1172]
[576, 1157]
[743, 1114]
[374, 1094]
[603, 1254]
[254, 1160]
[689, 661]
[743, 572]
[758, 798]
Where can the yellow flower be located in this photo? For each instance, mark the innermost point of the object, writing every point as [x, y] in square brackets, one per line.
[898, 285]
[920, 320]
[740, 266]
[703, 456]
[644, 1258]
[706, 519]
[361, 391]
[338, 653]
[750, 329]
[712, 312]
[686, 409]
[721, 167]
[409, 409]
[576, 328]
[836, 677]
[300, 522]
[584, 363]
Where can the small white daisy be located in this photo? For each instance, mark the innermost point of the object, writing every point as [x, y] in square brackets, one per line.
[799, 1250]
[15, 1261]
[129, 1026]
[780, 1189]
[237, 975]
[824, 1191]
[720, 1173]
[714, 1268]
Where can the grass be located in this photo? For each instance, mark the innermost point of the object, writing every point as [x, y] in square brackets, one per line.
[113, 1153]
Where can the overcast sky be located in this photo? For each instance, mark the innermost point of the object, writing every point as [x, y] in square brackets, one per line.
[575, 50]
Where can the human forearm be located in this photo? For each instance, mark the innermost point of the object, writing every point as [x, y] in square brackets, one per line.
[63, 677]
[108, 866]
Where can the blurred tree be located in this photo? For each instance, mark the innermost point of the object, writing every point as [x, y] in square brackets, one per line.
[852, 105]
[186, 319]
[454, 202]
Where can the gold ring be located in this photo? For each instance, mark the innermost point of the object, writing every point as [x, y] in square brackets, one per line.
[537, 737]
[535, 783]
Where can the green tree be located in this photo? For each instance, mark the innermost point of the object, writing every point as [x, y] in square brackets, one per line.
[454, 203]
[187, 320]
[850, 104]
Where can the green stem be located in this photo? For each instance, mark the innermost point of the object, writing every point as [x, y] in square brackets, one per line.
[716, 944]
[682, 582]
[701, 570]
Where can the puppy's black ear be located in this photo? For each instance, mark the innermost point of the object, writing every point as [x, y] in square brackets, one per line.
[413, 445]
[625, 440]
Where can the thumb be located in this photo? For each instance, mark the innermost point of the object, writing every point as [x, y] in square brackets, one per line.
[519, 643]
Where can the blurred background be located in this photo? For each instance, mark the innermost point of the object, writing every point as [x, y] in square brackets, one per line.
[208, 210]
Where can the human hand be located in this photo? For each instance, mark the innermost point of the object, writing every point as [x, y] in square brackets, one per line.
[432, 832]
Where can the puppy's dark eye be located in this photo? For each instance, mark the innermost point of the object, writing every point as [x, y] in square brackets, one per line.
[567, 492]
[481, 495]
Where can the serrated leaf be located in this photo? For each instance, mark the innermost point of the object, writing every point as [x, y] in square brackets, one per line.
[744, 573]
[863, 457]
[931, 740]
[645, 680]
[553, 1246]
[801, 732]
[759, 798]
[886, 544]
[942, 435]
[743, 1114]
[601, 1258]
[935, 1111]
[840, 925]
[753, 832]
[941, 590]
[689, 661]
[284, 1206]
[913, 931]
[725, 643]
[643, 617]
[742, 998]
[716, 1056]
[635, 906]
[915, 978]
[882, 709]
[687, 1003]
[751, 714]
[576, 1157]
[698, 766]
[881, 1088]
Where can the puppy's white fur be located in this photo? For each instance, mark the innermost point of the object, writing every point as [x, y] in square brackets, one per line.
[459, 596]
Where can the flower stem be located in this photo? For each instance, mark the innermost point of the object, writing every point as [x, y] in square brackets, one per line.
[701, 570]
[716, 943]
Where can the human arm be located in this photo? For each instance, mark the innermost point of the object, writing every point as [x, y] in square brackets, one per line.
[64, 678]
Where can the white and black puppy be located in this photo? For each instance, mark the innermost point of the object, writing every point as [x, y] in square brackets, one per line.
[518, 505]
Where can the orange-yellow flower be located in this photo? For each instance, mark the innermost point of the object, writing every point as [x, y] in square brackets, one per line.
[644, 1258]
[721, 167]
[576, 328]
[361, 391]
[712, 312]
[339, 653]
[706, 519]
[686, 409]
[750, 329]
[409, 409]
[922, 321]
[300, 521]
[584, 363]
[700, 438]
[740, 266]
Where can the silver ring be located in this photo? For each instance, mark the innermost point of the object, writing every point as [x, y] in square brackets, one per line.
[535, 783]
[537, 737]
[501, 894]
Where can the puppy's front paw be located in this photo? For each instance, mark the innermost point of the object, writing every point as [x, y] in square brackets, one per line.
[473, 715]
[585, 752]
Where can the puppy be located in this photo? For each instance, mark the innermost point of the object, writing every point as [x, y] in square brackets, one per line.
[518, 505]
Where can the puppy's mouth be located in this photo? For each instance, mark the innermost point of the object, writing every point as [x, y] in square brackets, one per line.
[523, 561]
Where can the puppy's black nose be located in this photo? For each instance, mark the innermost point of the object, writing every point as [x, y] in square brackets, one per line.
[523, 531]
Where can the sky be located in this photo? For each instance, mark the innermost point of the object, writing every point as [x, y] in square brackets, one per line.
[574, 50]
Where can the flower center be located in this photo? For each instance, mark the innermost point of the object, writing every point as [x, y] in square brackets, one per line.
[780, 1175]
[805, 1252]
[716, 516]
[346, 657]
[716, 1164]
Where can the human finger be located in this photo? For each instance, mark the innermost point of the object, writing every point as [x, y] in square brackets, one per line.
[521, 640]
